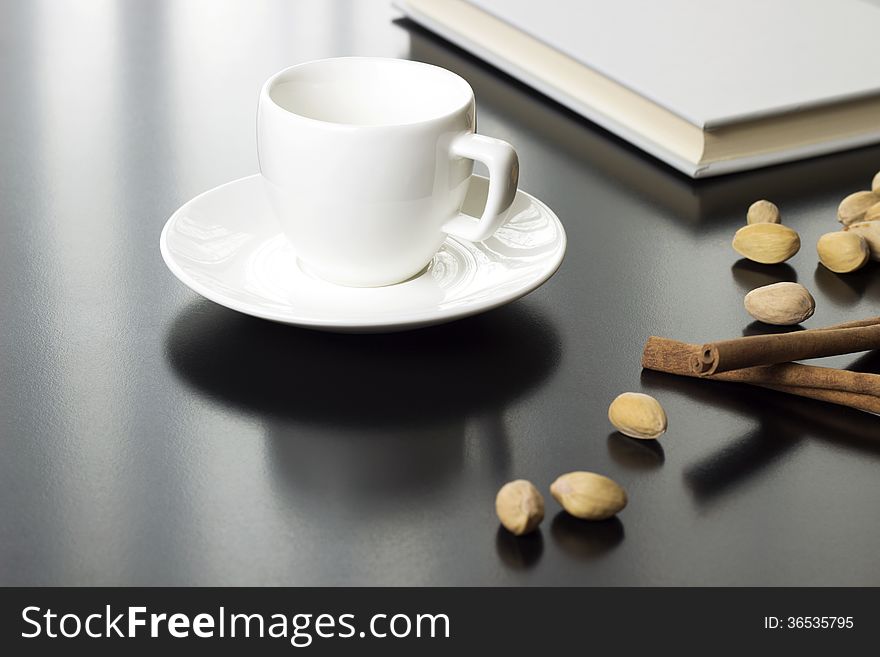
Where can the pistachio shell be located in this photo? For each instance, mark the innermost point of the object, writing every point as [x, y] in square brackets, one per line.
[870, 231]
[637, 415]
[875, 184]
[520, 507]
[763, 212]
[873, 213]
[766, 243]
[589, 495]
[852, 209]
[783, 304]
[843, 252]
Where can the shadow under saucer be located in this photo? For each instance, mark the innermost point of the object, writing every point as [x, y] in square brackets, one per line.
[398, 379]
[349, 415]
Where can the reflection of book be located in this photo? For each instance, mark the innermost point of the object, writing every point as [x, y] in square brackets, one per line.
[709, 86]
[599, 153]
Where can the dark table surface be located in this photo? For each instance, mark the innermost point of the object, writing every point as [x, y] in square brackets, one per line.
[148, 436]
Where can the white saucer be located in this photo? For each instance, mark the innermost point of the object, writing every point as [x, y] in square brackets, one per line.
[225, 245]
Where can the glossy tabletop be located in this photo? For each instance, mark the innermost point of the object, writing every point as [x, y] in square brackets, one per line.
[148, 436]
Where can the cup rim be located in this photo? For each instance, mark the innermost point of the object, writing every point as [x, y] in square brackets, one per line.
[267, 100]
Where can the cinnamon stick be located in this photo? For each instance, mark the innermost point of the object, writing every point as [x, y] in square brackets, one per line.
[871, 321]
[854, 389]
[854, 400]
[727, 355]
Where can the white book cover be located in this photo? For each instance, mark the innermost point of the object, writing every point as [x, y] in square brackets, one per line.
[710, 64]
[714, 62]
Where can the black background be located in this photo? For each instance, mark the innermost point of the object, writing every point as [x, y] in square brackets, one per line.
[151, 437]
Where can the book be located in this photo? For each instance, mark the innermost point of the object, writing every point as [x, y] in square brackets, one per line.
[691, 202]
[709, 87]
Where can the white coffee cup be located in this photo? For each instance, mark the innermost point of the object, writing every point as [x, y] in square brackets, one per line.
[367, 160]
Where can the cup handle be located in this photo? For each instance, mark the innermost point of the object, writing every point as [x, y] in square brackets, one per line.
[503, 164]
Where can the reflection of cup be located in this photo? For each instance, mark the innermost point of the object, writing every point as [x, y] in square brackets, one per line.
[367, 162]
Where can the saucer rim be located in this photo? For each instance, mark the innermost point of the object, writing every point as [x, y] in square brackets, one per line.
[405, 322]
